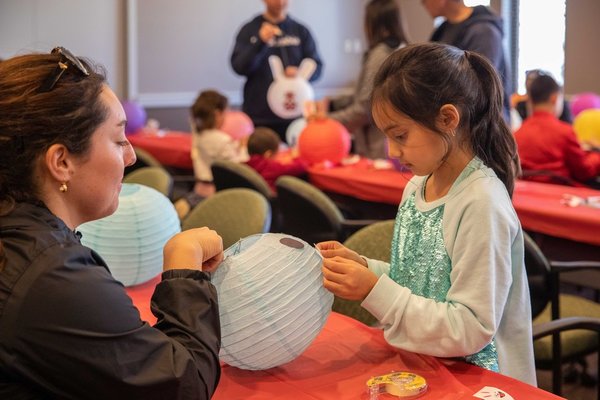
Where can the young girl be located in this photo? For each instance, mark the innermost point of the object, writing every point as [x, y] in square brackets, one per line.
[456, 285]
[385, 33]
[209, 144]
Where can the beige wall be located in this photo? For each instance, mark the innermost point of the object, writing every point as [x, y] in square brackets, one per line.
[98, 29]
[582, 46]
[91, 28]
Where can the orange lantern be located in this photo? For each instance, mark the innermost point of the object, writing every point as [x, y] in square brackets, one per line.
[324, 140]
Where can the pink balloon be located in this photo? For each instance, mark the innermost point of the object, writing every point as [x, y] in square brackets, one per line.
[584, 101]
[237, 124]
[324, 140]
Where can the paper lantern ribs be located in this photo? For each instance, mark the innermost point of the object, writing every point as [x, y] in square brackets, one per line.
[272, 302]
[131, 240]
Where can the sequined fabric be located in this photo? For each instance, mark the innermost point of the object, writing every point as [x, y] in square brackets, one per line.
[420, 262]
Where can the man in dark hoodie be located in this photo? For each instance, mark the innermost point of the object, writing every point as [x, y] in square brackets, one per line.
[474, 29]
[273, 32]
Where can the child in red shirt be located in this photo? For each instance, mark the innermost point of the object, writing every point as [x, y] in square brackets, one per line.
[263, 146]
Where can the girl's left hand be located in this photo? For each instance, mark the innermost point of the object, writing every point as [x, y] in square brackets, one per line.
[347, 279]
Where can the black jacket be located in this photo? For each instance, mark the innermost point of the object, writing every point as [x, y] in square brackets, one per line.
[482, 32]
[250, 58]
[68, 329]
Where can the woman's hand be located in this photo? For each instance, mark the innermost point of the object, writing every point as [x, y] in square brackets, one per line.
[347, 279]
[333, 248]
[200, 248]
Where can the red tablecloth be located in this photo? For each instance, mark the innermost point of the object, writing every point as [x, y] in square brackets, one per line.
[171, 149]
[537, 204]
[342, 358]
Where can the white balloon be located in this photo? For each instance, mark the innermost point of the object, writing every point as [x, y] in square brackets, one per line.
[294, 130]
[286, 95]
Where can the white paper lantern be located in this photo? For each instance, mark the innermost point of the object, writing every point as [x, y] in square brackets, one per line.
[286, 95]
[131, 240]
[294, 130]
[272, 302]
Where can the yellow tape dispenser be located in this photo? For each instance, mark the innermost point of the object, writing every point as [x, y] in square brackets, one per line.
[399, 384]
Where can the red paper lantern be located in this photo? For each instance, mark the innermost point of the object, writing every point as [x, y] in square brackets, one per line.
[237, 124]
[324, 140]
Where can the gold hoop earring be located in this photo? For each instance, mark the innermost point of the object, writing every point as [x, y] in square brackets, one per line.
[63, 187]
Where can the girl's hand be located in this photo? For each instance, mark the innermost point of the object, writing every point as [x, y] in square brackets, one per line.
[333, 248]
[347, 279]
[199, 248]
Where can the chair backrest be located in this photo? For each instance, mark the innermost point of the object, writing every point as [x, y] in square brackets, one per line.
[538, 275]
[155, 177]
[230, 174]
[373, 241]
[233, 213]
[306, 211]
[143, 159]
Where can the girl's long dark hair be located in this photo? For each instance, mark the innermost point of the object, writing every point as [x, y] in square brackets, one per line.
[419, 79]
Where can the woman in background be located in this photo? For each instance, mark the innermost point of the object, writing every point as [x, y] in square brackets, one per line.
[384, 34]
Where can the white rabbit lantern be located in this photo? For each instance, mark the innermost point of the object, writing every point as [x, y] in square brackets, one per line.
[286, 95]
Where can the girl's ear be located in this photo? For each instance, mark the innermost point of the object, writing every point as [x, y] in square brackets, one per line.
[276, 67]
[307, 68]
[448, 118]
[58, 162]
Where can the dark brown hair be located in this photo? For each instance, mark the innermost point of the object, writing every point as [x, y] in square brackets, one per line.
[418, 80]
[204, 108]
[542, 87]
[31, 121]
[262, 140]
[383, 23]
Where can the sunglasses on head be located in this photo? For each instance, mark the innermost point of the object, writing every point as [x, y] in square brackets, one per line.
[67, 60]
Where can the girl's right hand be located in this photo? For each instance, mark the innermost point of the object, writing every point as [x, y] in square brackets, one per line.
[333, 248]
[200, 248]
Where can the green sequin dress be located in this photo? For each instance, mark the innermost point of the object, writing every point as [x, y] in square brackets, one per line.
[421, 263]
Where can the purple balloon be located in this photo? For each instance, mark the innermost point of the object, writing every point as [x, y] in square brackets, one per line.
[136, 116]
[584, 101]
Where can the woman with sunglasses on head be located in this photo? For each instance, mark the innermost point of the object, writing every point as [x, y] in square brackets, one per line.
[67, 327]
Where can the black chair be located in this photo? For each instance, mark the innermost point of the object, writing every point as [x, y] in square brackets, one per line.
[573, 319]
[231, 174]
[308, 213]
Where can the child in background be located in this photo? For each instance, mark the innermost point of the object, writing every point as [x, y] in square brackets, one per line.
[263, 146]
[209, 144]
[456, 285]
[548, 147]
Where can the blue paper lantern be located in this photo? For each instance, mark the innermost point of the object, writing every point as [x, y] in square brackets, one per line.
[272, 302]
[131, 240]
